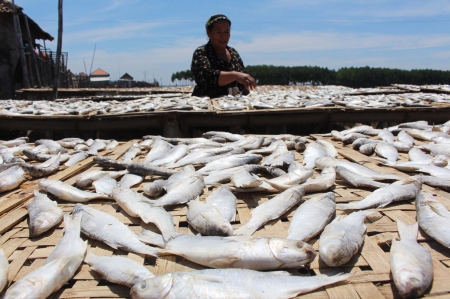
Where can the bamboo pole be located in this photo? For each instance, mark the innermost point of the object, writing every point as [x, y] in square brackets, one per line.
[18, 32]
[58, 49]
[32, 53]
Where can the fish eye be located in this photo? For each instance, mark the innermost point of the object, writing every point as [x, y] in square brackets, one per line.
[300, 244]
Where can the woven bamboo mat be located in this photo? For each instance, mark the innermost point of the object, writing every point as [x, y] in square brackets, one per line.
[372, 277]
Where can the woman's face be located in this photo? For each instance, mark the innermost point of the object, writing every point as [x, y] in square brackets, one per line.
[219, 35]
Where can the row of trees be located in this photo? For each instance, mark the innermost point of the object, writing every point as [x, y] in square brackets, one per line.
[352, 77]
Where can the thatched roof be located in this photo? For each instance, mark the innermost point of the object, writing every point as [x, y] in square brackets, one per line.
[6, 7]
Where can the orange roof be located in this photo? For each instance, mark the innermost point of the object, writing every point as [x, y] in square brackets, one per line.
[99, 72]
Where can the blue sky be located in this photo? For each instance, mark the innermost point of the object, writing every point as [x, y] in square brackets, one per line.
[157, 38]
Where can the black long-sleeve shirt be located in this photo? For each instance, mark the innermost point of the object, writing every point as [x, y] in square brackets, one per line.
[206, 67]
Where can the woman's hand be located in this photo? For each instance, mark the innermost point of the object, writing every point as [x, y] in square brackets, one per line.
[246, 80]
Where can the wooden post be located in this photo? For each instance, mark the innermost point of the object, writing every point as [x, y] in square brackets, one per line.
[23, 62]
[58, 49]
[32, 53]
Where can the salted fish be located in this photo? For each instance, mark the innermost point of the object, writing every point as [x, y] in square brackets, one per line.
[355, 168]
[71, 243]
[4, 268]
[433, 218]
[45, 280]
[405, 137]
[271, 209]
[105, 185]
[323, 182]
[149, 237]
[78, 157]
[362, 141]
[437, 182]
[175, 154]
[145, 169]
[117, 269]
[292, 178]
[401, 190]
[183, 192]
[67, 192]
[87, 178]
[256, 253]
[182, 174]
[328, 147]
[44, 169]
[224, 175]
[53, 146]
[137, 205]
[229, 162]
[386, 136]
[416, 154]
[386, 150]
[226, 135]
[207, 219]
[42, 157]
[230, 283]
[155, 188]
[94, 148]
[159, 149]
[313, 151]
[106, 162]
[129, 180]
[312, 216]
[437, 149]
[265, 150]
[244, 179]
[200, 157]
[108, 229]
[43, 213]
[411, 263]
[283, 160]
[11, 178]
[131, 153]
[225, 201]
[357, 180]
[280, 149]
[342, 238]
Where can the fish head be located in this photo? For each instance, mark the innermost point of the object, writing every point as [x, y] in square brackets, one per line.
[43, 223]
[43, 184]
[411, 283]
[292, 252]
[152, 288]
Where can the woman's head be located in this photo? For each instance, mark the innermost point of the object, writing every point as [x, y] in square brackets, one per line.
[218, 31]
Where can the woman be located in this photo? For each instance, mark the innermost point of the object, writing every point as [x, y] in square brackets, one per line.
[217, 67]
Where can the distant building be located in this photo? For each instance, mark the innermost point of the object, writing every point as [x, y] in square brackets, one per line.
[10, 66]
[126, 81]
[99, 78]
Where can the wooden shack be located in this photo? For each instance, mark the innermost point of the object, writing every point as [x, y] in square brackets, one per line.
[10, 67]
[126, 81]
[99, 78]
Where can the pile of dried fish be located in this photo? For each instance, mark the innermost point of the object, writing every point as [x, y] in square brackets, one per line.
[176, 172]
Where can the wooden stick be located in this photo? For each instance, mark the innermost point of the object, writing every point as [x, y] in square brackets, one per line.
[58, 49]
[32, 53]
[18, 32]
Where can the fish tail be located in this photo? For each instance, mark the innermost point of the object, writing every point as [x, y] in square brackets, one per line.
[72, 222]
[89, 257]
[346, 206]
[407, 231]
[244, 231]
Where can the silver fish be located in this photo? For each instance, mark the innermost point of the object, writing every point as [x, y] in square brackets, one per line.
[441, 183]
[117, 269]
[172, 156]
[131, 153]
[108, 229]
[357, 180]
[87, 178]
[105, 185]
[402, 190]
[225, 201]
[322, 182]
[244, 179]
[149, 237]
[144, 169]
[271, 209]
[129, 180]
[433, 218]
[44, 214]
[11, 178]
[226, 135]
[328, 147]
[312, 216]
[405, 137]
[342, 238]
[155, 188]
[411, 264]
[230, 283]
[313, 151]
[44, 169]
[229, 162]
[183, 192]
[207, 219]
[78, 157]
[387, 151]
[4, 268]
[160, 149]
[256, 253]
[67, 192]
